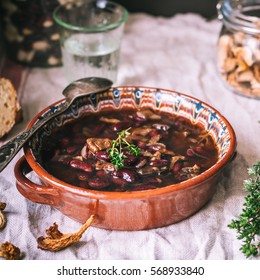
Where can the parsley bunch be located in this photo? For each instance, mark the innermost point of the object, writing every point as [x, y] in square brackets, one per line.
[248, 224]
[116, 151]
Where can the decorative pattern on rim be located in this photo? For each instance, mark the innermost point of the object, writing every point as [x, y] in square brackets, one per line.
[134, 98]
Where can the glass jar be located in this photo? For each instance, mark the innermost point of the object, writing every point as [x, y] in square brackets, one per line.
[238, 57]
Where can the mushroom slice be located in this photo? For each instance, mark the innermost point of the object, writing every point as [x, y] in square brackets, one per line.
[108, 120]
[98, 144]
[175, 159]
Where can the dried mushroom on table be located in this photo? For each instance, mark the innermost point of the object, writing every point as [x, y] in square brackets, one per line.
[9, 251]
[56, 240]
[239, 62]
[2, 217]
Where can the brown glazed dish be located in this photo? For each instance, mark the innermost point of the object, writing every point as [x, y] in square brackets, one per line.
[131, 209]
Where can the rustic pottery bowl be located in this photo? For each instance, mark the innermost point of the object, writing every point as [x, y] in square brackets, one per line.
[136, 210]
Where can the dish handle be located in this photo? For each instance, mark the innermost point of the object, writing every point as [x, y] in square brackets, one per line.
[30, 190]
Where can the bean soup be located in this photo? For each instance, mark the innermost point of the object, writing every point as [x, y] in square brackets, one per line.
[129, 150]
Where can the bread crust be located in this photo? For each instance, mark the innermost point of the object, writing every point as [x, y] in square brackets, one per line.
[8, 106]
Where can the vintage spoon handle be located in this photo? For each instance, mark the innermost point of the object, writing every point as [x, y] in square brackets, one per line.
[81, 87]
[11, 148]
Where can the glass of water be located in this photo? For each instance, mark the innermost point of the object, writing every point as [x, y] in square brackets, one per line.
[90, 37]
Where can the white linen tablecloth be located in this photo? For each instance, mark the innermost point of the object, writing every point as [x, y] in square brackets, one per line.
[177, 53]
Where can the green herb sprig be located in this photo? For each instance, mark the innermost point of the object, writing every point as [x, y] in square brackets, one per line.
[116, 151]
[248, 224]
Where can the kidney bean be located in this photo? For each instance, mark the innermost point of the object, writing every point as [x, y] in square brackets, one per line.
[79, 139]
[127, 174]
[164, 134]
[120, 188]
[98, 128]
[156, 147]
[78, 164]
[102, 173]
[139, 117]
[65, 141]
[161, 126]
[158, 162]
[83, 176]
[154, 132]
[102, 155]
[117, 173]
[118, 181]
[180, 177]
[130, 160]
[141, 145]
[98, 183]
[136, 124]
[126, 152]
[177, 167]
[57, 152]
[71, 149]
[65, 160]
[110, 134]
[121, 125]
[178, 124]
[143, 187]
[197, 151]
[202, 151]
[190, 152]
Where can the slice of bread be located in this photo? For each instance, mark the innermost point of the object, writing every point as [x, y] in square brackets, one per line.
[9, 106]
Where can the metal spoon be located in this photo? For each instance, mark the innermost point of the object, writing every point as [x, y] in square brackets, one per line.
[82, 87]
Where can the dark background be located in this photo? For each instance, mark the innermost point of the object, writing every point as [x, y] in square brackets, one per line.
[167, 8]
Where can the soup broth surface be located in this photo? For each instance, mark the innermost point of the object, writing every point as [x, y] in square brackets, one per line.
[128, 151]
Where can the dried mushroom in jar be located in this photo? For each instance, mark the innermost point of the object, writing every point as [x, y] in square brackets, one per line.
[238, 46]
[239, 62]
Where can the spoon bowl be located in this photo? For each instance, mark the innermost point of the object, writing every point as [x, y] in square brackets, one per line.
[85, 86]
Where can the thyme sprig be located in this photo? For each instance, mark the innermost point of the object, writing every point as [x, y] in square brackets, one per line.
[116, 153]
[248, 223]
